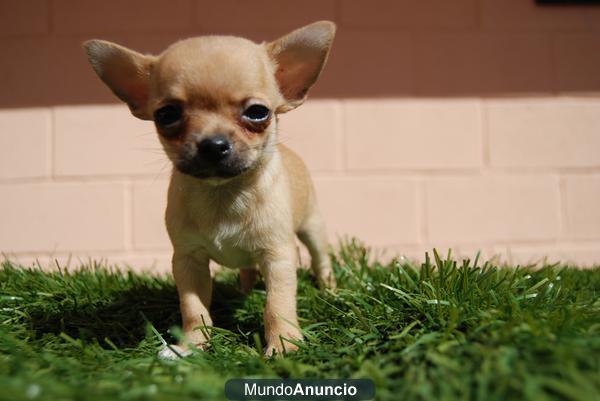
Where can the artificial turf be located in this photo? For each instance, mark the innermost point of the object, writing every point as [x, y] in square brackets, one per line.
[443, 330]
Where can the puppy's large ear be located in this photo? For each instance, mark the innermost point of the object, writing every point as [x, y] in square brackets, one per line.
[299, 58]
[125, 72]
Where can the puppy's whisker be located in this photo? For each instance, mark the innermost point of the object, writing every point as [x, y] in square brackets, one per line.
[154, 161]
[160, 151]
[261, 146]
[141, 134]
[160, 172]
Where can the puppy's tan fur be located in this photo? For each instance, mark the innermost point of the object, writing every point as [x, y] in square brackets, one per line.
[252, 217]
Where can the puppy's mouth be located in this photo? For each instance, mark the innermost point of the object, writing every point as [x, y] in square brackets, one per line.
[202, 171]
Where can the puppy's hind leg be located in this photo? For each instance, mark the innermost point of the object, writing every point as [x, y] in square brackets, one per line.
[248, 277]
[313, 235]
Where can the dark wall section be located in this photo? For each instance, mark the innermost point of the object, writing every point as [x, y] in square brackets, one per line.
[384, 47]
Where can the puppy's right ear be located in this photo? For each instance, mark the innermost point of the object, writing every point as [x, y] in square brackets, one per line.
[299, 58]
[125, 72]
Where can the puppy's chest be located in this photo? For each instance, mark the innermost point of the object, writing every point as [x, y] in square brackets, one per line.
[230, 238]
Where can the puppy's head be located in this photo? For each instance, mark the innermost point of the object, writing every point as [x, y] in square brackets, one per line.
[215, 99]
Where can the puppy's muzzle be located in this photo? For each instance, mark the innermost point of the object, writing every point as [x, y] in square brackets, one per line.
[213, 157]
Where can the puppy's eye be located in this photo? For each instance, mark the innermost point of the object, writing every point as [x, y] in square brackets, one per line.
[168, 116]
[256, 113]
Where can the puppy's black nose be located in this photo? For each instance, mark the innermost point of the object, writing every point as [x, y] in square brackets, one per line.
[214, 149]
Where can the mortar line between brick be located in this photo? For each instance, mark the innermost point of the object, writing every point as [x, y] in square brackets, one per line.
[50, 137]
[553, 38]
[423, 211]
[337, 12]
[155, 251]
[318, 174]
[193, 21]
[50, 5]
[562, 207]
[341, 137]
[479, 23]
[485, 136]
[128, 215]
[150, 252]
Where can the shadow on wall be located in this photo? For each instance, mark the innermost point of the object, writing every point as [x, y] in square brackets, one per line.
[384, 48]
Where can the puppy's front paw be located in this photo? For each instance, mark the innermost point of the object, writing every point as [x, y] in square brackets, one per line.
[280, 344]
[279, 349]
[329, 282]
[326, 279]
[173, 352]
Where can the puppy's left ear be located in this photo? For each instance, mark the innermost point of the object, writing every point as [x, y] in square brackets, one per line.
[299, 58]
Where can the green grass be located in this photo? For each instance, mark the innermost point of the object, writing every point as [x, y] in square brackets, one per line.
[440, 331]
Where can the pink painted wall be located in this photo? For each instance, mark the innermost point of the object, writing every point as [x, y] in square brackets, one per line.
[472, 124]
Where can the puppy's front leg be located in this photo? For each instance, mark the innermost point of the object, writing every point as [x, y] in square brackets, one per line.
[194, 285]
[280, 317]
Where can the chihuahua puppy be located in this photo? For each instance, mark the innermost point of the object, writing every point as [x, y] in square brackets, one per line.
[236, 195]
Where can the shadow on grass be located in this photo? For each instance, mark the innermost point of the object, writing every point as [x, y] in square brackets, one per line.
[121, 319]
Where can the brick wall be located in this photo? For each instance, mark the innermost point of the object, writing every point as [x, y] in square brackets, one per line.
[472, 124]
